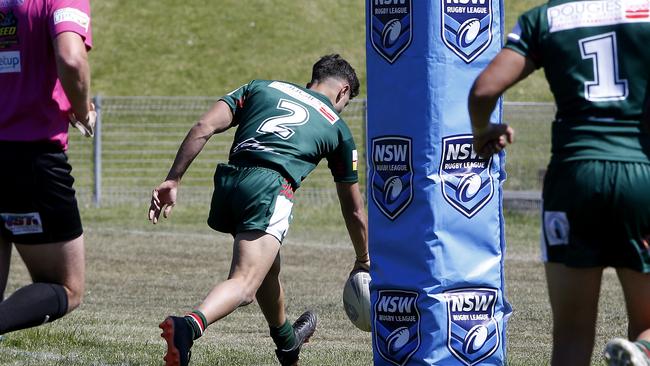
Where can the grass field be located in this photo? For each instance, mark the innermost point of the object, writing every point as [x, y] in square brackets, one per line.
[188, 48]
[137, 274]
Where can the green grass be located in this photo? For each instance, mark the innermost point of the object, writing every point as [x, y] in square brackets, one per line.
[137, 274]
[190, 48]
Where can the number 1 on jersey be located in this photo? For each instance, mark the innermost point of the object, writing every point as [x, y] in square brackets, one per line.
[298, 115]
[601, 49]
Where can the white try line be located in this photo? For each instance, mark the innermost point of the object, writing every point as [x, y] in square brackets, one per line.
[207, 236]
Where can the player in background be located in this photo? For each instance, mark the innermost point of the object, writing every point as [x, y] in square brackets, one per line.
[45, 81]
[596, 195]
[283, 131]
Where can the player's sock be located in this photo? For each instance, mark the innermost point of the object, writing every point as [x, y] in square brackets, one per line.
[644, 346]
[197, 321]
[33, 305]
[283, 335]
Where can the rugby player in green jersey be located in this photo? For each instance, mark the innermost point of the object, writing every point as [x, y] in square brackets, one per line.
[596, 196]
[283, 131]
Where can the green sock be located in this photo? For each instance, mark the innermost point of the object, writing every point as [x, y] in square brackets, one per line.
[283, 336]
[197, 321]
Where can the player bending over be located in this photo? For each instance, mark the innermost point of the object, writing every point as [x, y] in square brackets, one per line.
[283, 131]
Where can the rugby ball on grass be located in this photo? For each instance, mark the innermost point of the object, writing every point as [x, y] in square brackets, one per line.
[356, 299]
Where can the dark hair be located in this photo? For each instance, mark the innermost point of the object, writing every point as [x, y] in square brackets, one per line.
[334, 66]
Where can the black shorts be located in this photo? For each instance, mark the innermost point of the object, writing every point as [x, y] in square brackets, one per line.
[37, 201]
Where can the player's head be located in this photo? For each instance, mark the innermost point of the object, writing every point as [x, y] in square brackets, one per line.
[333, 69]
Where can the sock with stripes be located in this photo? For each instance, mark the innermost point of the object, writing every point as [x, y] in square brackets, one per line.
[645, 346]
[197, 321]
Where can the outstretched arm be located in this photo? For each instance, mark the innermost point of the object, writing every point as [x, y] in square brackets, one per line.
[356, 222]
[74, 73]
[216, 120]
[505, 70]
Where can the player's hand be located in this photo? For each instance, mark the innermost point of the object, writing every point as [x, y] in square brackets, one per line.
[163, 199]
[492, 139]
[87, 126]
[360, 266]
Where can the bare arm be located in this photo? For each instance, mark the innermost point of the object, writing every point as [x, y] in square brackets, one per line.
[74, 72]
[216, 120]
[505, 70]
[356, 221]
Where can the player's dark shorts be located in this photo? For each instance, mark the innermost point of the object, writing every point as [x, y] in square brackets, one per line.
[37, 201]
[597, 213]
[250, 198]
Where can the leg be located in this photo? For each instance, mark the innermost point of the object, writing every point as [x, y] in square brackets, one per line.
[5, 261]
[270, 296]
[57, 270]
[254, 253]
[573, 294]
[636, 289]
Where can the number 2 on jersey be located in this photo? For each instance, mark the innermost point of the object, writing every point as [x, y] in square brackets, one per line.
[601, 49]
[299, 115]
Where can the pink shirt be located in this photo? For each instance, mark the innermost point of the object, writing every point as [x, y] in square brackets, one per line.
[33, 106]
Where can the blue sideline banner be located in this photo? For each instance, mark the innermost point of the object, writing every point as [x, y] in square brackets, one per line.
[435, 214]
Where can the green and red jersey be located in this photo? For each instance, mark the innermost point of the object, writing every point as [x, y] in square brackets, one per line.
[290, 129]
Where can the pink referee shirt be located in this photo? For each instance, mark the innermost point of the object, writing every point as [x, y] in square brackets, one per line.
[33, 106]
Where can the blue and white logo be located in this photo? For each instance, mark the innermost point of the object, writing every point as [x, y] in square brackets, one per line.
[467, 27]
[392, 175]
[397, 325]
[467, 182]
[391, 28]
[473, 333]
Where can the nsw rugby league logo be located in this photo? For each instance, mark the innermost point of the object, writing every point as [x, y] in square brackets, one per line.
[472, 332]
[392, 175]
[397, 325]
[466, 27]
[467, 183]
[391, 27]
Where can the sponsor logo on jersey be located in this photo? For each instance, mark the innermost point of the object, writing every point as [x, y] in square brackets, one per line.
[597, 13]
[8, 30]
[11, 3]
[297, 93]
[72, 15]
[397, 325]
[466, 27]
[556, 228]
[392, 175]
[9, 62]
[467, 183]
[355, 160]
[22, 223]
[472, 332]
[391, 27]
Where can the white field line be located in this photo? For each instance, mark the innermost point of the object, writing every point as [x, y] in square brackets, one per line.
[205, 236]
[510, 256]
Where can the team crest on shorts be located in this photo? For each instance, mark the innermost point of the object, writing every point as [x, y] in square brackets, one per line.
[467, 183]
[472, 332]
[392, 176]
[391, 27]
[466, 27]
[397, 325]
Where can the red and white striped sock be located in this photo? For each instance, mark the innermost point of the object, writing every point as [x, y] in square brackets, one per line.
[197, 320]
